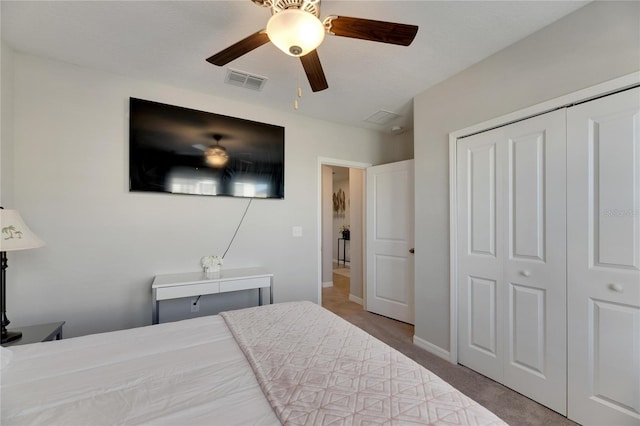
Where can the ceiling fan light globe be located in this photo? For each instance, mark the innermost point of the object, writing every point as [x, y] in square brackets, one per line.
[295, 32]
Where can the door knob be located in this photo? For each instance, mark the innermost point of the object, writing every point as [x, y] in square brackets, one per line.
[412, 250]
[525, 273]
[616, 287]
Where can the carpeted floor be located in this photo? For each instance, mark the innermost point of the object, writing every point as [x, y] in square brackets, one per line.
[510, 406]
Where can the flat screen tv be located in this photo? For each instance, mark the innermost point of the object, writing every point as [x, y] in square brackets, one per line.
[185, 151]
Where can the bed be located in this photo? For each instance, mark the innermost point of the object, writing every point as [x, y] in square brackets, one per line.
[289, 363]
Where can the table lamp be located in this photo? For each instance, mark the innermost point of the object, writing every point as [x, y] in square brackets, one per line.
[14, 235]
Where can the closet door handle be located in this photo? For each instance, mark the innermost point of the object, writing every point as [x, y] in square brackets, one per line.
[616, 287]
[525, 273]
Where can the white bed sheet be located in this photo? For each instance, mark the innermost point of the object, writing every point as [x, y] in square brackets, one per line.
[183, 373]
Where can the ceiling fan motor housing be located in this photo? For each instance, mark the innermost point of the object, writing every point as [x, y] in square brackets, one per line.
[277, 6]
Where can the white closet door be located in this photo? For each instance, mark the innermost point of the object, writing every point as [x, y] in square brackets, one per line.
[512, 276]
[535, 263]
[603, 206]
[480, 253]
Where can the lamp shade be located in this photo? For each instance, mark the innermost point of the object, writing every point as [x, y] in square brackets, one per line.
[295, 32]
[15, 234]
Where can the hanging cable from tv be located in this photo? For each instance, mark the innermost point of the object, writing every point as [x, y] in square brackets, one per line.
[238, 228]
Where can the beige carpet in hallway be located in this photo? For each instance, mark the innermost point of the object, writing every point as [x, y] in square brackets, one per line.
[510, 406]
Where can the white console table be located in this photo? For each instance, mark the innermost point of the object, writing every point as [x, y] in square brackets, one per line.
[176, 286]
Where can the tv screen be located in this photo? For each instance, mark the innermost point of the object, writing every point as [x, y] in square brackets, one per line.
[185, 151]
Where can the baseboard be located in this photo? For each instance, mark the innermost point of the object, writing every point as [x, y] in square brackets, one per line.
[327, 284]
[431, 348]
[356, 299]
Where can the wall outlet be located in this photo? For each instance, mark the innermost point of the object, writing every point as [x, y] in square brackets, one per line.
[297, 231]
[195, 305]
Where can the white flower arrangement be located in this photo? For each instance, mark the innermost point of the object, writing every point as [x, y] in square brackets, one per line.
[211, 263]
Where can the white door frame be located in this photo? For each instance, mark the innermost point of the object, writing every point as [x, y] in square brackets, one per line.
[326, 161]
[602, 89]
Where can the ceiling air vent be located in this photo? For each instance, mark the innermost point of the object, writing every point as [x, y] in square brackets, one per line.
[381, 117]
[244, 79]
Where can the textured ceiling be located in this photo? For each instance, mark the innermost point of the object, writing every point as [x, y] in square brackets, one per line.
[168, 42]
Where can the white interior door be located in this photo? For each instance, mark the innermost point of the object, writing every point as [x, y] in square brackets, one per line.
[603, 207]
[511, 256]
[390, 237]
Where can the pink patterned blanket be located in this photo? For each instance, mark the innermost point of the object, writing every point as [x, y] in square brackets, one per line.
[317, 369]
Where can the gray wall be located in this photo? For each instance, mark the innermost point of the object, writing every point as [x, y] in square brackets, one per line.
[594, 44]
[105, 244]
[6, 127]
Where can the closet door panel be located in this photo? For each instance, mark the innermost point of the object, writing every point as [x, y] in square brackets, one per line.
[480, 253]
[482, 315]
[616, 385]
[535, 267]
[527, 318]
[481, 164]
[614, 168]
[527, 191]
[603, 202]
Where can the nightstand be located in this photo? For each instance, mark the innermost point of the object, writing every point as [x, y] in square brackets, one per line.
[38, 333]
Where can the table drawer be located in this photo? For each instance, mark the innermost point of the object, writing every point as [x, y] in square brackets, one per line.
[245, 284]
[177, 292]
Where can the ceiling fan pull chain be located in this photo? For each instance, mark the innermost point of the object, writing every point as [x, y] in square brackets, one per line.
[299, 91]
[295, 102]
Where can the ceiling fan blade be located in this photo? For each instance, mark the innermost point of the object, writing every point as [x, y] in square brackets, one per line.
[368, 29]
[313, 69]
[240, 48]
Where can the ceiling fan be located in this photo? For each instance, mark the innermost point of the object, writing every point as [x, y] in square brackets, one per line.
[295, 28]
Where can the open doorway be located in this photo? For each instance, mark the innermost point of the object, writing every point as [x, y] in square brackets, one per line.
[340, 291]
[341, 282]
